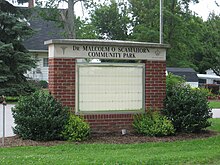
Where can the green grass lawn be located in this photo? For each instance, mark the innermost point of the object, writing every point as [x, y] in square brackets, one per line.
[203, 151]
[215, 125]
[214, 104]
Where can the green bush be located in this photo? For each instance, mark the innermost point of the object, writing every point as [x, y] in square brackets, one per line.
[172, 80]
[187, 108]
[39, 117]
[76, 129]
[153, 124]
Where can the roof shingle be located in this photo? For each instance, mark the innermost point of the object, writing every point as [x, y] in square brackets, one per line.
[44, 30]
[188, 74]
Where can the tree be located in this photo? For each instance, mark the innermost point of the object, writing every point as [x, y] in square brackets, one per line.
[111, 20]
[85, 29]
[64, 17]
[210, 57]
[145, 20]
[14, 58]
[182, 29]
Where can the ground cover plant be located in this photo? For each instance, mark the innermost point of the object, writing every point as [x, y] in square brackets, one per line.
[197, 151]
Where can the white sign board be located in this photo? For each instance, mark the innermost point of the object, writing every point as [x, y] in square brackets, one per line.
[106, 50]
[110, 88]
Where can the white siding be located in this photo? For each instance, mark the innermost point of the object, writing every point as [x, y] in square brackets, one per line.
[40, 72]
[193, 84]
[210, 72]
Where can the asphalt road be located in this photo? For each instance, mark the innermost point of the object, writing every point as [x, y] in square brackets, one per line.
[9, 121]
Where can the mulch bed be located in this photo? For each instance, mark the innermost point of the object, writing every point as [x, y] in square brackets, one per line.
[109, 138]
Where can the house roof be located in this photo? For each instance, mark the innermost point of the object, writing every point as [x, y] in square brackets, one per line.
[44, 30]
[188, 74]
[208, 76]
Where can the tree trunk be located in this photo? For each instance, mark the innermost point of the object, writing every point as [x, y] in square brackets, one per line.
[71, 20]
[30, 3]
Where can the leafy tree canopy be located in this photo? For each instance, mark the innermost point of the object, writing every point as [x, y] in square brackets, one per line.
[111, 20]
[182, 30]
[210, 56]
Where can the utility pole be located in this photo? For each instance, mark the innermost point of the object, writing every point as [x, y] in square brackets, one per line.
[161, 21]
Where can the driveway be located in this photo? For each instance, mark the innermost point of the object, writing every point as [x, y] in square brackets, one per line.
[10, 121]
[216, 113]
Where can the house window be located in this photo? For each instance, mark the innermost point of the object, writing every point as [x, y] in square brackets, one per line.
[45, 62]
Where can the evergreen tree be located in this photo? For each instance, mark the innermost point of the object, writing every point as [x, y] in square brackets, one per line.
[14, 58]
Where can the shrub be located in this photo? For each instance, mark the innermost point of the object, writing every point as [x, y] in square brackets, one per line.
[187, 108]
[39, 117]
[153, 124]
[172, 80]
[76, 129]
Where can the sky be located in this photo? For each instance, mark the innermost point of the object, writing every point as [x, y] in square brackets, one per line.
[203, 8]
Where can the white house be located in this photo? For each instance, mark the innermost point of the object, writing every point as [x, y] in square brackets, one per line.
[188, 74]
[44, 30]
[41, 71]
[210, 77]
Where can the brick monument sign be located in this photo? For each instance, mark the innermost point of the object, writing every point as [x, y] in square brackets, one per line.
[107, 95]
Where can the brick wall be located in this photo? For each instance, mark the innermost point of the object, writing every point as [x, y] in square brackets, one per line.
[62, 80]
[106, 123]
[62, 86]
[155, 84]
